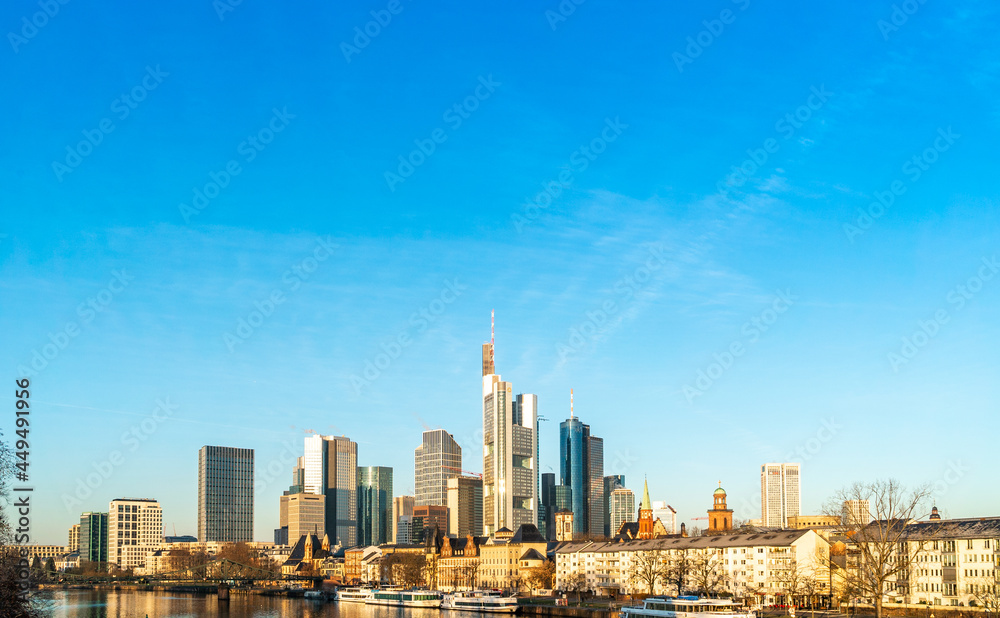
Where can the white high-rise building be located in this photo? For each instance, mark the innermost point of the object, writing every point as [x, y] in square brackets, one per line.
[329, 468]
[510, 450]
[780, 494]
[135, 527]
[621, 504]
[666, 514]
[436, 460]
[856, 513]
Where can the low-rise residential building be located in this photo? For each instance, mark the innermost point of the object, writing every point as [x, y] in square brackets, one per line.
[765, 566]
[949, 561]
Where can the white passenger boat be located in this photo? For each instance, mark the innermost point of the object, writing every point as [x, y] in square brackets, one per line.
[686, 607]
[406, 598]
[480, 601]
[354, 595]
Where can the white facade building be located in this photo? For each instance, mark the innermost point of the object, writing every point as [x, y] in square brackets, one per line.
[666, 514]
[135, 526]
[780, 493]
[510, 452]
[621, 507]
[745, 565]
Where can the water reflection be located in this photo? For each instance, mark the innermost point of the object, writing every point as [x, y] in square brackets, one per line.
[132, 604]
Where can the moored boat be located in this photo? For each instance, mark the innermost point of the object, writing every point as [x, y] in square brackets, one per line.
[686, 607]
[354, 595]
[406, 598]
[480, 601]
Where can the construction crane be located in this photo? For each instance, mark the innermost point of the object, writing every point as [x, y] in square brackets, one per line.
[467, 472]
[697, 518]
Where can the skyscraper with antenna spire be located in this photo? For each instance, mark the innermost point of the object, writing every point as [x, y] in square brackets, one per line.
[510, 447]
[581, 470]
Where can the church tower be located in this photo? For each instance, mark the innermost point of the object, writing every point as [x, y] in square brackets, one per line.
[720, 519]
[645, 514]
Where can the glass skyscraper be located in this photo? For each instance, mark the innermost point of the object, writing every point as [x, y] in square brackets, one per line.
[225, 494]
[94, 537]
[330, 468]
[581, 469]
[436, 460]
[374, 505]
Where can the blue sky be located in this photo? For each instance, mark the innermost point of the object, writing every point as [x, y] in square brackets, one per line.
[586, 187]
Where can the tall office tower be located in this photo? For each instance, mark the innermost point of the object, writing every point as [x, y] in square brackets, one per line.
[426, 517]
[780, 494]
[298, 477]
[547, 506]
[135, 527]
[581, 468]
[435, 461]
[622, 508]
[666, 514]
[74, 539]
[374, 505]
[306, 515]
[465, 506]
[330, 469]
[595, 494]
[94, 537]
[510, 445]
[225, 494]
[402, 506]
[611, 483]
[856, 513]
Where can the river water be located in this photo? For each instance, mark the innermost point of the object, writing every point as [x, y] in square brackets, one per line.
[134, 604]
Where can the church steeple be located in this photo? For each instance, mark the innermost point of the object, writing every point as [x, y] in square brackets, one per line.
[645, 514]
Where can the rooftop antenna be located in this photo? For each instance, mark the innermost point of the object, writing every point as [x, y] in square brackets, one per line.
[570, 404]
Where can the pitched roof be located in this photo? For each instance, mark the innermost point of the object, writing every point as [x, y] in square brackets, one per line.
[528, 533]
[532, 554]
[774, 539]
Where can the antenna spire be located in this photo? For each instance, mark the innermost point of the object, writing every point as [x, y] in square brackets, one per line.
[571, 404]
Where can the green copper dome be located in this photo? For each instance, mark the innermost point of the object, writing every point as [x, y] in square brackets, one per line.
[719, 492]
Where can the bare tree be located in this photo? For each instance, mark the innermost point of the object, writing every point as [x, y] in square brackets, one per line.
[986, 592]
[680, 568]
[880, 552]
[15, 598]
[706, 573]
[541, 577]
[648, 568]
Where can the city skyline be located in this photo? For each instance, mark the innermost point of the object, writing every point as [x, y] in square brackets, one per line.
[750, 251]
